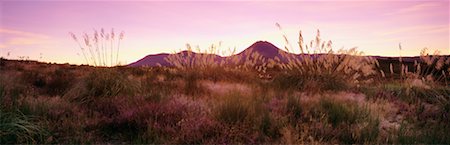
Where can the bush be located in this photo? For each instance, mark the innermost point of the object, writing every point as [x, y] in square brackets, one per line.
[288, 82]
[35, 78]
[179, 120]
[2, 63]
[59, 82]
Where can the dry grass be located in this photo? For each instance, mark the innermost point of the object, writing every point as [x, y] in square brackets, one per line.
[319, 66]
[100, 49]
[318, 97]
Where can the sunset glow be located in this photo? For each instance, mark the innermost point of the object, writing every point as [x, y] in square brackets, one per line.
[39, 29]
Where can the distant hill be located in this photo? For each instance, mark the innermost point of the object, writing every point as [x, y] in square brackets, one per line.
[266, 49]
[152, 60]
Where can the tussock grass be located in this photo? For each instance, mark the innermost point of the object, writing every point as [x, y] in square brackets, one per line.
[100, 84]
[233, 109]
[308, 98]
[294, 107]
[209, 65]
[355, 122]
[320, 67]
[100, 48]
[15, 127]
[339, 113]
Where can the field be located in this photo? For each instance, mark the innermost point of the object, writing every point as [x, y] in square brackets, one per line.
[324, 98]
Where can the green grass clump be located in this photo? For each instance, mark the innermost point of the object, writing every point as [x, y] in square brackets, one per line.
[233, 109]
[294, 107]
[414, 94]
[102, 83]
[16, 127]
[340, 113]
[2, 90]
[430, 134]
[192, 85]
[355, 123]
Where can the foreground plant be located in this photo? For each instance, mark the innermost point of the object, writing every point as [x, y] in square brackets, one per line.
[98, 48]
[319, 66]
[207, 61]
[15, 127]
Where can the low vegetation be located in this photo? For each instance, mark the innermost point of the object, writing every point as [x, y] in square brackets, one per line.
[324, 97]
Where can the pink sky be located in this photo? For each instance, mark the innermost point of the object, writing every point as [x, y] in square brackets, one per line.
[39, 29]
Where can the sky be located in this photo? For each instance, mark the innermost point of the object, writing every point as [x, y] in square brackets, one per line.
[39, 29]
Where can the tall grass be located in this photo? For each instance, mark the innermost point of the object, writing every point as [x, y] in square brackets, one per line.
[208, 63]
[102, 83]
[233, 109]
[319, 66]
[98, 48]
[15, 127]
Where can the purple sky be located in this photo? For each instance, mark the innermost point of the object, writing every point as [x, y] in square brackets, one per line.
[39, 29]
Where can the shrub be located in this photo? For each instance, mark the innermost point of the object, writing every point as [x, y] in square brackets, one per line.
[35, 78]
[179, 120]
[60, 81]
[2, 63]
[288, 82]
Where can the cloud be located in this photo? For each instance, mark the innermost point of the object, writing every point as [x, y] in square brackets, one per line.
[15, 38]
[23, 41]
[423, 29]
[21, 33]
[414, 8]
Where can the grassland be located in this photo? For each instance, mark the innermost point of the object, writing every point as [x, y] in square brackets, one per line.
[61, 103]
[335, 97]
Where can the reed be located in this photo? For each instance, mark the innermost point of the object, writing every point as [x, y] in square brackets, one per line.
[99, 49]
[319, 63]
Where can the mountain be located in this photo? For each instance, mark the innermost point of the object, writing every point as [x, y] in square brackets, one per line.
[264, 48]
[152, 60]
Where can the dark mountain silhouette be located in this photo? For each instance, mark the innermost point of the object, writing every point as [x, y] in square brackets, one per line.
[265, 49]
[152, 60]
